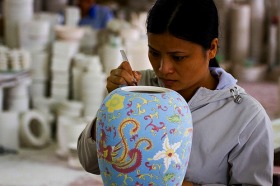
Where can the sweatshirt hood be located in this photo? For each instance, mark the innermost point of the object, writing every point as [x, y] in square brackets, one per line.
[226, 88]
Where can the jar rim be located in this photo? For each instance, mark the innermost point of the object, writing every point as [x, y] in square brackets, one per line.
[146, 89]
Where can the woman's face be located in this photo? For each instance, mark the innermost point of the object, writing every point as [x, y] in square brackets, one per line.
[181, 65]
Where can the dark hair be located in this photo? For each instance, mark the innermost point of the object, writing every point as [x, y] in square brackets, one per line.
[192, 20]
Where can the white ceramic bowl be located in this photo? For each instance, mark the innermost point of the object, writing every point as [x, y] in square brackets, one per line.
[69, 33]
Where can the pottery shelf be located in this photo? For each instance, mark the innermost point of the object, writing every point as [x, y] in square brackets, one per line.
[10, 79]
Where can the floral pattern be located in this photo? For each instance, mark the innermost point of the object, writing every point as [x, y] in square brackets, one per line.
[115, 103]
[168, 153]
[144, 138]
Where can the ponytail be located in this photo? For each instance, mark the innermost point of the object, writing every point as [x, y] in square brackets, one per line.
[213, 63]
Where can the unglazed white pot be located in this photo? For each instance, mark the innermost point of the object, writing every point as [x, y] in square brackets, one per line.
[144, 136]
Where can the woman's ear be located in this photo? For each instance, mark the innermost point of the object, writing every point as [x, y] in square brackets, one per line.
[213, 48]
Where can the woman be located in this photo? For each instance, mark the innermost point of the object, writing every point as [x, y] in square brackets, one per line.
[232, 135]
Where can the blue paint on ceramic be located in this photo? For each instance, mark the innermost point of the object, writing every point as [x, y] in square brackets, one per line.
[144, 137]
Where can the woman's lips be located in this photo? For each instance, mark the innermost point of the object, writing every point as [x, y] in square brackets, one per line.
[168, 82]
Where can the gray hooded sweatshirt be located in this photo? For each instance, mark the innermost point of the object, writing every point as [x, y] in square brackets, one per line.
[232, 136]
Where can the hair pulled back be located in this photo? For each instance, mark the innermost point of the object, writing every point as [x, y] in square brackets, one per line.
[192, 20]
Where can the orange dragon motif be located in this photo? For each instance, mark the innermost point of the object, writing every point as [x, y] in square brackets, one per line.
[129, 159]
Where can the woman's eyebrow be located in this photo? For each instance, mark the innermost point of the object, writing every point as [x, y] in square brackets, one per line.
[151, 48]
[171, 52]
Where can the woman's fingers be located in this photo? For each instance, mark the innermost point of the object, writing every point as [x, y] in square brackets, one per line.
[122, 76]
[137, 75]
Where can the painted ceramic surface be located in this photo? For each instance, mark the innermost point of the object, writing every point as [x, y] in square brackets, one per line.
[144, 137]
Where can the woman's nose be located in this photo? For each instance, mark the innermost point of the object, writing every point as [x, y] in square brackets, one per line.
[166, 66]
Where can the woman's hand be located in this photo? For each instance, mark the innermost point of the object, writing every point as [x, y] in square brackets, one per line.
[122, 76]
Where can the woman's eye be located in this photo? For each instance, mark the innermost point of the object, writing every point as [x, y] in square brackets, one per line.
[154, 54]
[178, 58]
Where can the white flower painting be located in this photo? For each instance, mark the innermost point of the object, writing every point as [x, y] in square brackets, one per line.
[168, 153]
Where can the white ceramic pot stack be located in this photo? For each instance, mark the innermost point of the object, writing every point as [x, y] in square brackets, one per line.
[60, 68]
[93, 83]
[68, 130]
[137, 52]
[16, 12]
[90, 41]
[52, 18]
[70, 108]
[14, 60]
[257, 29]
[40, 74]
[20, 60]
[223, 8]
[272, 45]
[4, 59]
[110, 54]
[18, 97]
[78, 68]
[9, 130]
[240, 33]
[35, 35]
[72, 15]
[44, 105]
[129, 35]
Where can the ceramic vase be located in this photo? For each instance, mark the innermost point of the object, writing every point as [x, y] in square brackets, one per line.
[143, 136]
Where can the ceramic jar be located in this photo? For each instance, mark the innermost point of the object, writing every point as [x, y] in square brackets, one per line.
[143, 136]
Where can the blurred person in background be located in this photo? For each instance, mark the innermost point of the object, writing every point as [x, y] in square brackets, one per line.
[94, 15]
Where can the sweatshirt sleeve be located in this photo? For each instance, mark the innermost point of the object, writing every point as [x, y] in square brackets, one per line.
[87, 150]
[252, 159]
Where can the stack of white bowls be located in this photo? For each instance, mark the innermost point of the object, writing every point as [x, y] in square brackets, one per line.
[70, 108]
[34, 35]
[18, 97]
[78, 68]
[16, 12]
[14, 58]
[52, 18]
[4, 60]
[93, 86]
[72, 15]
[25, 59]
[63, 53]
[19, 60]
[40, 74]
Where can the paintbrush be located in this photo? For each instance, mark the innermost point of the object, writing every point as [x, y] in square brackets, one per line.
[124, 57]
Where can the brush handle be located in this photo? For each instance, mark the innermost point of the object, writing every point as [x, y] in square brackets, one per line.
[123, 55]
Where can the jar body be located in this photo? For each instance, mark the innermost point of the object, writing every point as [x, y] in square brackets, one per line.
[143, 136]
